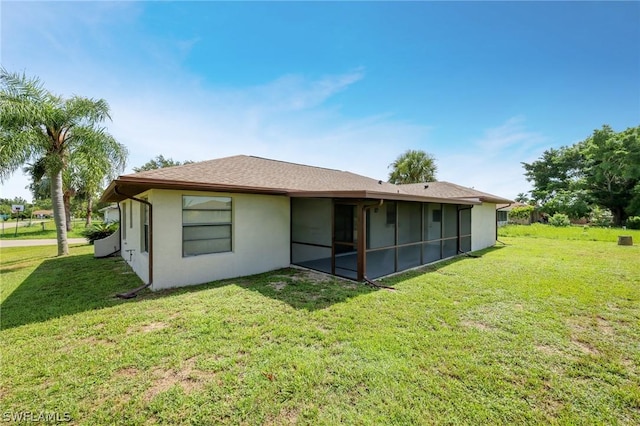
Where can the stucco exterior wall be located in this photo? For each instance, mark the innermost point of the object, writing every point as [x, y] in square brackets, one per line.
[131, 239]
[483, 226]
[260, 239]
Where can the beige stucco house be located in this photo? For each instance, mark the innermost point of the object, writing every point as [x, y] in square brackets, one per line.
[244, 215]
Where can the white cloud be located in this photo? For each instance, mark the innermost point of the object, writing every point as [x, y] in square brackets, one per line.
[286, 119]
[492, 163]
[289, 119]
[160, 107]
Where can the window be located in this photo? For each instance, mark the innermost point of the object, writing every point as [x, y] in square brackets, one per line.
[124, 221]
[206, 225]
[144, 226]
[391, 213]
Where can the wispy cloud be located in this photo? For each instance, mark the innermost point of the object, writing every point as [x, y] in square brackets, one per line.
[160, 106]
[287, 119]
[493, 161]
[511, 134]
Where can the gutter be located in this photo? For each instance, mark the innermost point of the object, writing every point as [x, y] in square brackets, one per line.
[133, 293]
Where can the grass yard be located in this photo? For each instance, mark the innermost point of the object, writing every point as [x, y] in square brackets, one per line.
[575, 232]
[539, 331]
[38, 231]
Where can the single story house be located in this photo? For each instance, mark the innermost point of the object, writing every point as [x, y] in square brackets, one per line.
[505, 217]
[244, 215]
[110, 213]
[42, 214]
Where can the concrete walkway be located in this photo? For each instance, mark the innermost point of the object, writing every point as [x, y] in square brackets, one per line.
[27, 243]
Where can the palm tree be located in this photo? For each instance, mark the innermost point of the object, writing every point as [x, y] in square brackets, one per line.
[522, 198]
[91, 170]
[37, 125]
[413, 166]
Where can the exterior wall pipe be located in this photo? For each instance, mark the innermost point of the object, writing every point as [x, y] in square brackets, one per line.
[133, 293]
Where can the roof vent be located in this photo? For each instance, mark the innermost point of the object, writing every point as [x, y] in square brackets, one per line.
[426, 186]
[379, 182]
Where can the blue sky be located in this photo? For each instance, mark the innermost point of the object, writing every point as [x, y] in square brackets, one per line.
[482, 86]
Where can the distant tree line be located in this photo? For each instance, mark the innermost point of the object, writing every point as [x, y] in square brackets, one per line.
[600, 172]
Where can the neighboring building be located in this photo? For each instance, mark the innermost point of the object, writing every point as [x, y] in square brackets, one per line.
[110, 213]
[244, 215]
[503, 212]
[42, 214]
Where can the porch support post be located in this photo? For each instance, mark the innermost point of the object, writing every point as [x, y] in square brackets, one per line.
[333, 236]
[362, 245]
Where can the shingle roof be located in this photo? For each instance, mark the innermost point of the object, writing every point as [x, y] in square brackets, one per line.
[243, 173]
[249, 171]
[442, 189]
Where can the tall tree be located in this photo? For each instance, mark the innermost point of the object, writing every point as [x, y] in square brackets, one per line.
[37, 124]
[612, 169]
[159, 162]
[603, 170]
[413, 166]
[522, 198]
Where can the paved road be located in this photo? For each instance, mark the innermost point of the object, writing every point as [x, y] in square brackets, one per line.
[27, 243]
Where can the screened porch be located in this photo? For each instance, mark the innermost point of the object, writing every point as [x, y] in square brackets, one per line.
[368, 238]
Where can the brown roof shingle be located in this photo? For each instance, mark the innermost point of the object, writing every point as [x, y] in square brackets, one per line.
[442, 189]
[243, 173]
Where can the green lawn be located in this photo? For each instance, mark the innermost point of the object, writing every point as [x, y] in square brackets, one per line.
[576, 232]
[535, 332]
[37, 230]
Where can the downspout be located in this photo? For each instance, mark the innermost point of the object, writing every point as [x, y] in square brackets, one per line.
[505, 207]
[362, 243]
[133, 293]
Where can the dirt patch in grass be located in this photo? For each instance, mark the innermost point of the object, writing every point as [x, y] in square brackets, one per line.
[96, 341]
[147, 328]
[310, 276]
[286, 416]
[548, 350]
[188, 377]
[129, 372]
[604, 326]
[477, 325]
[584, 347]
[278, 285]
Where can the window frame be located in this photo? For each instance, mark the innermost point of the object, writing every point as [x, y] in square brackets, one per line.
[212, 224]
[144, 227]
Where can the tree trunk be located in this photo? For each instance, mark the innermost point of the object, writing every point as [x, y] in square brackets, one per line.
[66, 200]
[89, 208]
[59, 214]
[618, 216]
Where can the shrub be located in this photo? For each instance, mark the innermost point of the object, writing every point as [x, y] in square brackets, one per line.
[559, 219]
[521, 213]
[633, 222]
[601, 217]
[100, 231]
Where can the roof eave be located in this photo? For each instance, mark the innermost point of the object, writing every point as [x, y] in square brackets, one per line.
[135, 186]
[375, 195]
